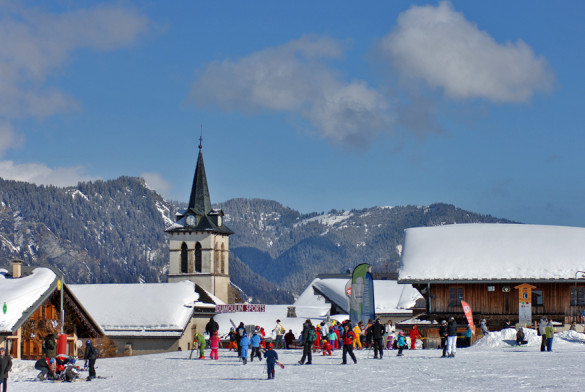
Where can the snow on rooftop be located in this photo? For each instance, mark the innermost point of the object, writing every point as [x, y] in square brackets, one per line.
[144, 308]
[21, 293]
[389, 296]
[492, 251]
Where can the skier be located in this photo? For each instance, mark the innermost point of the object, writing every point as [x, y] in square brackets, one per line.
[378, 338]
[390, 331]
[542, 332]
[289, 339]
[484, 328]
[317, 343]
[308, 337]
[332, 338]
[279, 331]
[401, 344]
[414, 335]
[357, 332]
[214, 343]
[244, 343]
[202, 344]
[233, 339]
[347, 339]
[90, 356]
[239, 334]
[326, 348]
[5, 367]
[271, 360]
[443, 335]
[549, 332]
[255, 341]
[45, 368]
[451, 337]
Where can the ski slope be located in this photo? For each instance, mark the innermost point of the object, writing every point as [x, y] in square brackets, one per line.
[491, 364]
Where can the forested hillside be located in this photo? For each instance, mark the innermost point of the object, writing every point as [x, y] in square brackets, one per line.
[113, 231]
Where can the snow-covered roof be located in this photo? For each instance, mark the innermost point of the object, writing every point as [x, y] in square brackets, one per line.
[492, 252]
[389, 296]
[139, 309]
[21, 295]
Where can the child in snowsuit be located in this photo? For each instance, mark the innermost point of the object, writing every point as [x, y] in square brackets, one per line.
[326, 348]
[357, 331]
[414, 335]
[214, 344]
[202, 344]
[332, 338]
[271, 360]
[233, 340]
[401, 344]
[255, 341]
[244, 343]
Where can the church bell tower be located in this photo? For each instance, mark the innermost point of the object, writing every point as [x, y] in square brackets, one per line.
[199, 241]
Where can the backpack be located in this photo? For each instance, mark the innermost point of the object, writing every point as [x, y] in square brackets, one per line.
[311, 337]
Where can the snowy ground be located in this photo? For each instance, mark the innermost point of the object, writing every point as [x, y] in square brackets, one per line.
[491, 364]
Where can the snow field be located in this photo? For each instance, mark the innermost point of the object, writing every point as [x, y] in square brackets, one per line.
[491, 364]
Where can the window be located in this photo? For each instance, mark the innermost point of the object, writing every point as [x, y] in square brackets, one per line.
[537, 298]
[184, 259]
[198, 267]
[455, 296]
[580, 300]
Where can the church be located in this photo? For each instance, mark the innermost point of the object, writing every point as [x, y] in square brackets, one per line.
[199, 241]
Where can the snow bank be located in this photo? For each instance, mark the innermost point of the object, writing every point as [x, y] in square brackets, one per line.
[492, 251]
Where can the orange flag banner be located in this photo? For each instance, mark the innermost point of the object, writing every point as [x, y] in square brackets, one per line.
[469, 315]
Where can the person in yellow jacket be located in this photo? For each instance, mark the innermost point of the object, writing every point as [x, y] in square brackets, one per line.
[357, 331]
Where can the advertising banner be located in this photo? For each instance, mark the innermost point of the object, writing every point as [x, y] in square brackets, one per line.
[469, 315]
[232, 308]
[360, 290]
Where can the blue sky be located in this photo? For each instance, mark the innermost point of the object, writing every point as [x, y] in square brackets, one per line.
[318, 105]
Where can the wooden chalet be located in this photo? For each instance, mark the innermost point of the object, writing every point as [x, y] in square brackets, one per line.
[487, 265]
[31, 310]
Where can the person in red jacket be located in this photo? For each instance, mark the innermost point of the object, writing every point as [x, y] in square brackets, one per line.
[347, 339]
[326, 347]
[414, 335]
[214, 343]
[317, 344]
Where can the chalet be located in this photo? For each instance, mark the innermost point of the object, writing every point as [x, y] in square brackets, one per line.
[31, 300]
[488, 266]
[148, 318]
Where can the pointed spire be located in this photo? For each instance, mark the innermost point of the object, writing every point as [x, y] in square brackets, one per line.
[199, 200]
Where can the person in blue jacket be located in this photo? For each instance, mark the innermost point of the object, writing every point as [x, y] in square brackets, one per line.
[244, 344]
[401, 344]
[255, 341]
[271, 360]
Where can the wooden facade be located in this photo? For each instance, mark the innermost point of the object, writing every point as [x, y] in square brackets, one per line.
[499, 301]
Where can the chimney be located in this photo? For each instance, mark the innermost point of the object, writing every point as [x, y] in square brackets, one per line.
[16, 268]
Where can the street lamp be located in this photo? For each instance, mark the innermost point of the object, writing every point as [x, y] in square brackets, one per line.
[576, 318]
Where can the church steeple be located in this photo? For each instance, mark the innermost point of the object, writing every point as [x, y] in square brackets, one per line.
[199, 201]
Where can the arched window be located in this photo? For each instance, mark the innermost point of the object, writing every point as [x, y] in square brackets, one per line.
[184, 258]
[198, 257]
[223, 271]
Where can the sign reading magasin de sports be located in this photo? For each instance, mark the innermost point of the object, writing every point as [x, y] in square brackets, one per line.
[232, 308]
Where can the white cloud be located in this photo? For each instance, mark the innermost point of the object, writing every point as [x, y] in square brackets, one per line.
[295, 78]
[158, 183]
[439, 46]
[34, 43]
[38, 173]
[8, 138]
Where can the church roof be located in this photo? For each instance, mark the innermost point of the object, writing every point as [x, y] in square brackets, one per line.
[200, 205]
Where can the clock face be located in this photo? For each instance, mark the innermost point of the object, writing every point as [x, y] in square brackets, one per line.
[190, 220]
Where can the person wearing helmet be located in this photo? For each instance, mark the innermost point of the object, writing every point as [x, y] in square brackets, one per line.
[244, 344]
[271, 360]
[233, 339]
[401, 344]
[91, 354]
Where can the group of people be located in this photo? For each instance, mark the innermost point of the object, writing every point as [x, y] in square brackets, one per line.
[547, 333]
[61, 367]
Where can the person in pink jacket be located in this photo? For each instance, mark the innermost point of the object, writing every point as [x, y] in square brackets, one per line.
[214, 344]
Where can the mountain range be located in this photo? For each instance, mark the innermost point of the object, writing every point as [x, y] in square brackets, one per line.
[113, 232]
